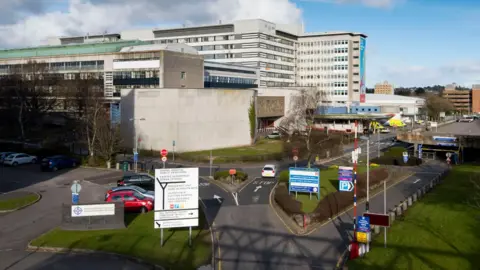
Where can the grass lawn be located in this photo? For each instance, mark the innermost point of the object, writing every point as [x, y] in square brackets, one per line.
[140, 240]
[14, 203]
[441, 231]
[262, 147]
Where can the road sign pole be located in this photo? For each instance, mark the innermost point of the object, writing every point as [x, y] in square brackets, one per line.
[190, 236]
[355, 147]
[385, 211]
[161, 237]
[164, 164]
[367, 204]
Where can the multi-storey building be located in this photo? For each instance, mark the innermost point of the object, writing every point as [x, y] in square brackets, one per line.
[284, 54]
[476, 98]
[461, 99]
[384, 88]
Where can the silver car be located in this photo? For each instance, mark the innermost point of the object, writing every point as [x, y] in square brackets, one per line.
[144, 192]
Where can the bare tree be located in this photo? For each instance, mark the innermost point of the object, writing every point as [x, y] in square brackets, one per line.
[107, 138]
[302, 117]
[435, 104]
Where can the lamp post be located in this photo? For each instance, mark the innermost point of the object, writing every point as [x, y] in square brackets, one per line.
[367, 204]
[135, 161]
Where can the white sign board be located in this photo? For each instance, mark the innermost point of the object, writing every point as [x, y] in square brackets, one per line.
[92, 210]
[176, 198]
[433, 124]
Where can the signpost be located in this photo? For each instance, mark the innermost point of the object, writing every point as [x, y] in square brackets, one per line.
[363, 229]
[382, 220]
[232, 173]
[355, 154]
[164, 154]
[405, 157]
[345, 179]
[449, 155]
[75, 188]
[304, 180]
[176, 199]
[173, 152]
[295, 158]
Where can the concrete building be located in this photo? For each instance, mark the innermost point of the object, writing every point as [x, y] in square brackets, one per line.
[285, 55]
[461, 99]
[384, 88]
[476, 98]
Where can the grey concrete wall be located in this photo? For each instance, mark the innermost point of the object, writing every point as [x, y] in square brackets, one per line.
[197, 119]
[127, 112]
[175, 63]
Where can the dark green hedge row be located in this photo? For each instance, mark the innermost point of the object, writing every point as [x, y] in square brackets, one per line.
[287, 202]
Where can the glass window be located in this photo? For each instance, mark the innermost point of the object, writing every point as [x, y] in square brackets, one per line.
[183, 75]
[128, 197]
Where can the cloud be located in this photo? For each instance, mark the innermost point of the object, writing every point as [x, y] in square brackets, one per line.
[80, 17]
[463, 73]
[368, 3]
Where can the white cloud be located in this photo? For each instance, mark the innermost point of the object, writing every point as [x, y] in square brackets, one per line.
[369, 3]
[96, 16]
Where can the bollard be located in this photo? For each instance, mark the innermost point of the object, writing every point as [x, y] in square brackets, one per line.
[414, 197]
[398, 211]
[117, 166]
[404, 206]
[392, 216]
[376, 229]
[431, 185]
[409, 201]
[419, 193]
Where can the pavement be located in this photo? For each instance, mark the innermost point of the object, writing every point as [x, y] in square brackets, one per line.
[19, 227]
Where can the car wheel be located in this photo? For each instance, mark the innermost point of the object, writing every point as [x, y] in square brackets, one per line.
[54, 169]
[34, 161]
[143, 210]
[14, 164]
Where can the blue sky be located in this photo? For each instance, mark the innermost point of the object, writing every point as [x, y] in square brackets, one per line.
[414, 42]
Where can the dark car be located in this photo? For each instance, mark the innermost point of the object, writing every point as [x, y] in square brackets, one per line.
[55, 163]
[142, 180]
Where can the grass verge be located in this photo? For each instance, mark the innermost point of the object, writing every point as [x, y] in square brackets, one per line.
[438, 232]
[15, 203]
[140, 240]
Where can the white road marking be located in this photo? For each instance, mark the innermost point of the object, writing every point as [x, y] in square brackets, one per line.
[218, 198]
[235, 197]
[416, 181]
[257, 188]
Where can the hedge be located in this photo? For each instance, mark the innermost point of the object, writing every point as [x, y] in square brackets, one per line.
[335, 202]
[229, 159]
[397, 161]
[286, 201]
[284, 176]
[221, 175]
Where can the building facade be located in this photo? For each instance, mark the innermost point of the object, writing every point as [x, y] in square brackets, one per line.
[461, 99]
[476, 98]
[285, 55]
[384, 88]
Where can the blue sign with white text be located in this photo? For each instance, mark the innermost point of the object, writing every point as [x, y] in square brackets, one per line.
[135, 157]
[75, 198]
[363, 224]
[345, 186]
[305, 180]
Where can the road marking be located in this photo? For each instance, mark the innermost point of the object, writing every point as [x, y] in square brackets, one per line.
[248, 183]
[263, 182]
[255, 199]
[218, 198]
[416, 181]
[257, 188]
[203, 184]
[235, 197]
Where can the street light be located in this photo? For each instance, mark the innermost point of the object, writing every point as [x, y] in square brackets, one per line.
[135, 160]
[367, 138]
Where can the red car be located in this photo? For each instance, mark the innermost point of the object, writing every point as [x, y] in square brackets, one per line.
[132, 201]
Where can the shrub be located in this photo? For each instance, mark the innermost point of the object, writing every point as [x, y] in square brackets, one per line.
[374, 165]
[284, 176]
[333, 167]
[287, 202]
[397, 161]
[225, 174]
[376, 177]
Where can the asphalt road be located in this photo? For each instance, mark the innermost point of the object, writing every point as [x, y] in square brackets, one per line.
[460, 128]
[19, 227]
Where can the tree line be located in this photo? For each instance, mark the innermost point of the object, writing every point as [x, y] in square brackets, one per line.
[31, 93]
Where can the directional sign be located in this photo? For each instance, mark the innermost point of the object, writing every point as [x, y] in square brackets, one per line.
[405, 157]
[135, 156]
[345, 186]
[75, 198]
[363, 224]
[345, 173]
[305, 180]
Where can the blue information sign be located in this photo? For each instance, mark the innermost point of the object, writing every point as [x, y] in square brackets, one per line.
[405, 157]
[305, 180]
[363, 224]
[75, 198]
[420, 146]
[135, 157]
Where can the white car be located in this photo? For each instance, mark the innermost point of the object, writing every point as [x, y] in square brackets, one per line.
[18, 159]
[384, 130]
[269, 171]
[274, 135]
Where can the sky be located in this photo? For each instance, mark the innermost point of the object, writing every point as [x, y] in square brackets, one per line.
[410, 42]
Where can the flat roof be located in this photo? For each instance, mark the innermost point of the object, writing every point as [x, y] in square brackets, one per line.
[333, 33]
[386, 97]
[350, 116]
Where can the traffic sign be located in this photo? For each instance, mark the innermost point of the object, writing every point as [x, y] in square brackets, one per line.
[345, 173]
[76, 187]
[420, 151]
[362, 237]
[135, 157]
[164, 159]
[164, 152]
[232, 171]
[295, 158]
[75, 198]
[405, 157]
[345, 186]
[363, 224]
[448, 154]
[295, 151]
[378, 219]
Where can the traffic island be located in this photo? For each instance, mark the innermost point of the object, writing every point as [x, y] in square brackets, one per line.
[17, 200]
[139, 240]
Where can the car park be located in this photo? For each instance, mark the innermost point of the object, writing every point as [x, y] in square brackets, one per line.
[144, 192]
[19, 158]
[143, 180]
[132, 201]
[55, 163]
[269, 171]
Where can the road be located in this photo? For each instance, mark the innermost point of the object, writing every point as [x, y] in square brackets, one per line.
[461, 128]
[19, 227]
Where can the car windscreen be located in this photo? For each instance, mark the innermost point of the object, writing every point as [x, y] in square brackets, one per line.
[267, 168]
[11, 156]
[139, 189]
[138, 196]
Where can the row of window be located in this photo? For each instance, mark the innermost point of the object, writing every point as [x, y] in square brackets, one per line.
[224, 37]
[155, 81]
[276, 48]
[135, 74]
[326, 76]
[231, 70]
[276, 75]
[221, 79]
[323, 60]
[339, 92]
[59, 65]
[324, 68]
[269, 66]
[326, 51]
[323, 43]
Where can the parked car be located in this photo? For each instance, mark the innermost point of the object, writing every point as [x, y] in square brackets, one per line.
[143, 180]
[55, 163]
[132, 201]
[274, 135]
[3, 155]
[384, 130]
[144, 192]
[19, 158]
[269, 171]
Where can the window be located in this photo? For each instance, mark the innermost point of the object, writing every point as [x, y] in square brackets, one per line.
[183, 75]
[116, 198]
[128, 197]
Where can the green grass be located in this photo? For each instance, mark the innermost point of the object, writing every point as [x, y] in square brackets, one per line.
[14, 203]
[140, 240]
[328, 184]
[261, 148]
[441, 231]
